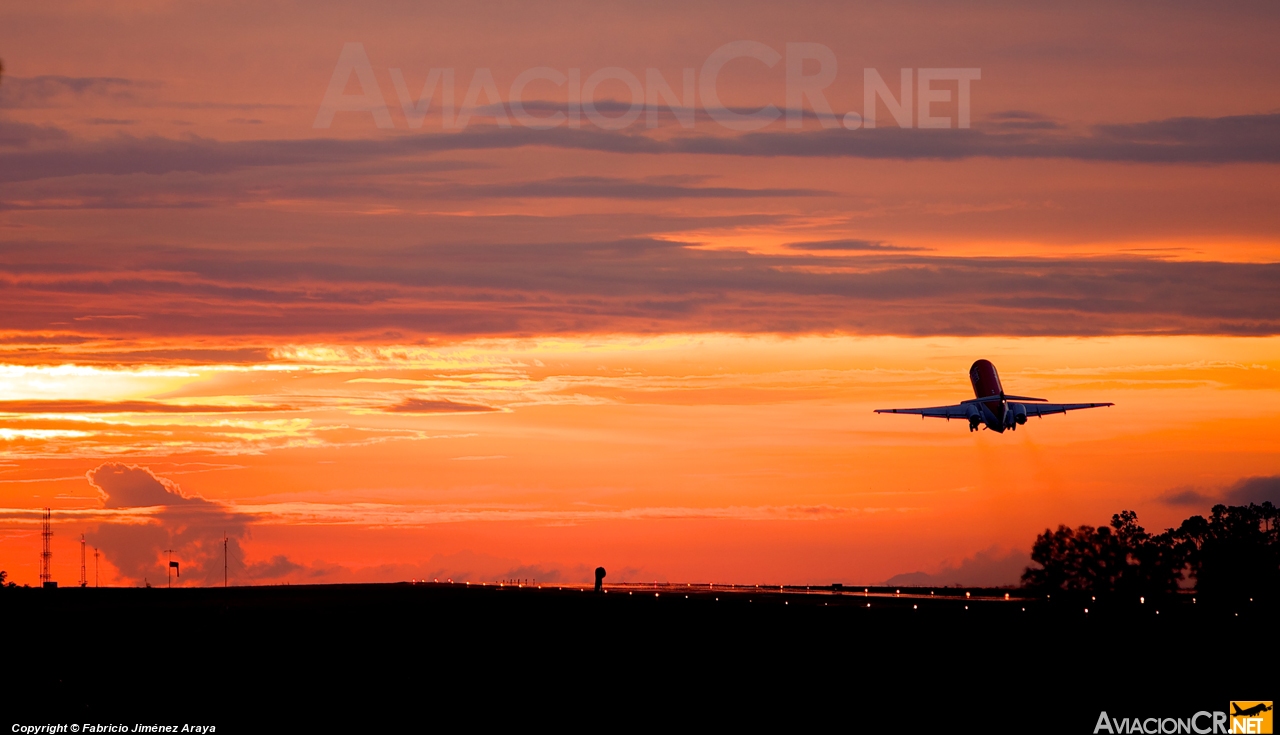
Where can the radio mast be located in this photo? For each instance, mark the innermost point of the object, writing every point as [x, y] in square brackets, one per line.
[46, 553]
[84, 581]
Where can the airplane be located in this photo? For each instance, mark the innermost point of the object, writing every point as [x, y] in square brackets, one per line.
[1257, 709]
[991, 407]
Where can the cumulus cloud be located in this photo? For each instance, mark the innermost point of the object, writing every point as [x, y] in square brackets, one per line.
[194, 528]
[166, 517]
[1189, 496]
[131, 486]
[988, 568]
[1244, 491]
[1254, 490]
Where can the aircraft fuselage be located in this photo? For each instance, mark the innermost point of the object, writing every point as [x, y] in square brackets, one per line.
[986, 382]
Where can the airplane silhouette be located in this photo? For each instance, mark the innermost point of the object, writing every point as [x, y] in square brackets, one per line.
[991, 406]
[1256, 709]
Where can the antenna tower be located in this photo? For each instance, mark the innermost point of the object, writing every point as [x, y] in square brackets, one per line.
[168, 568]
[84, 582]
[95, 566]
[46, 554]
[224, 559]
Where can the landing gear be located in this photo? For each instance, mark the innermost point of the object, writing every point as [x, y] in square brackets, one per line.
[973, 423]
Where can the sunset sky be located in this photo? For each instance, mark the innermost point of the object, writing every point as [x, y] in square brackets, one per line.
[393, 346]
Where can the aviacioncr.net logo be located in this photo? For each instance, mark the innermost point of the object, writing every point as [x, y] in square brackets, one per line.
[1245, 717]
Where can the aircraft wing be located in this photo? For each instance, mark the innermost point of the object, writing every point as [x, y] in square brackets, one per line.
[1047, 409]
[959, 411]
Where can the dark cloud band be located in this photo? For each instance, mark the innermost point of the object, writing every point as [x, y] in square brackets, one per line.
[1194, 140]
[637, 286]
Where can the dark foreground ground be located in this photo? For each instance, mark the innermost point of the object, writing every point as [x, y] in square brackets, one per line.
[402, 657]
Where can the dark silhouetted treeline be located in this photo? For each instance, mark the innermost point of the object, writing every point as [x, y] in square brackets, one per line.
[1231, 556]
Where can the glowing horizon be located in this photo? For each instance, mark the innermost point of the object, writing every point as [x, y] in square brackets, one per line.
[507, 424]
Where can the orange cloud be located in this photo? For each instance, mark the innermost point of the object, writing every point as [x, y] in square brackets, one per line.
[188, 529]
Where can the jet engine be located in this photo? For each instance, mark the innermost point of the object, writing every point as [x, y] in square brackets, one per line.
[975, 418]
[1017, 415]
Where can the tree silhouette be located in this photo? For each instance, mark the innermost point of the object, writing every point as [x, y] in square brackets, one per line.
[1234, 554]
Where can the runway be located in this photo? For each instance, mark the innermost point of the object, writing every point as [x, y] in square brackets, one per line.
[511, 648]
